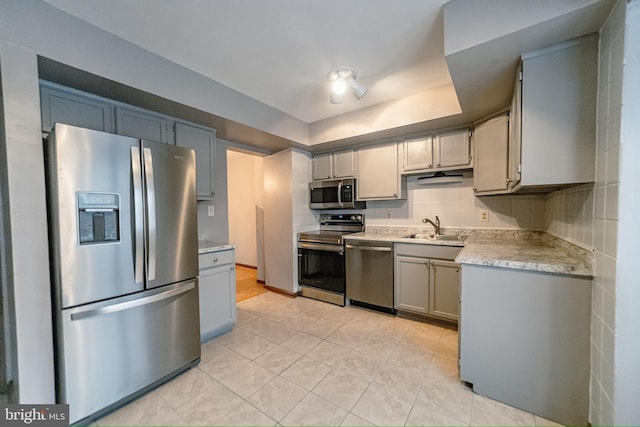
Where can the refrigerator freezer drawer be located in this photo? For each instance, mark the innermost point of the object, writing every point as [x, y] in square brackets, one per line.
[115, 348]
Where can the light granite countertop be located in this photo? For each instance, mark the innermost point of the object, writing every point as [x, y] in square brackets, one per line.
[399, 235]
[207, 246]
[526, 250]
[515, 249]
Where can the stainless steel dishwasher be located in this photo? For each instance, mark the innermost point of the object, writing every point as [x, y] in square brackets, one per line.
[369, 266]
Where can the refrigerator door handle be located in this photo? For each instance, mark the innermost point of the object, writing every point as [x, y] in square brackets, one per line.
[151, 213]
[138, 215]
[94, 312]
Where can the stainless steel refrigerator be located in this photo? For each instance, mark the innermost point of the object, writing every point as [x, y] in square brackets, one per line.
[123, 242]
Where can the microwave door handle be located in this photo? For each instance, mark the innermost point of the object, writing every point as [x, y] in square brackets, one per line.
[340, 193]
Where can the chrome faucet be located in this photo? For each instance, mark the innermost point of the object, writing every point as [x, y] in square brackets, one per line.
[436, 225]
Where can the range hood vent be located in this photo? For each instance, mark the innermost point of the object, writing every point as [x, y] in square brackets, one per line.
[438, 178]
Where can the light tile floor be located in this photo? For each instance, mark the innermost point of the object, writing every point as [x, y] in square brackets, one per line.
[297, 361]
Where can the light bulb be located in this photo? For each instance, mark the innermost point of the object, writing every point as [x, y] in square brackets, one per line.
[339, 87]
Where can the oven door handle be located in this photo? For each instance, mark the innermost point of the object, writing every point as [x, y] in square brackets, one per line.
[370, 248]
[320, 247]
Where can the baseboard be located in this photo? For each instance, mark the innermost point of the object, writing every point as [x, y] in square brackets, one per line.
[253, 267]
[281, 291]
[262, 282]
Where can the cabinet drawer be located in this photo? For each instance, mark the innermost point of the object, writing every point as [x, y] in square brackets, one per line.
[427, 251]
[215, 259]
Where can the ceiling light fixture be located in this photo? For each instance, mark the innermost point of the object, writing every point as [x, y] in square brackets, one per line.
[341, 78]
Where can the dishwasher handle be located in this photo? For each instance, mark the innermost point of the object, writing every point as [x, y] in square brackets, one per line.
[369, 248]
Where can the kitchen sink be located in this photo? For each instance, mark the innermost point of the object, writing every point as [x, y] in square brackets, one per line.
[436, 236]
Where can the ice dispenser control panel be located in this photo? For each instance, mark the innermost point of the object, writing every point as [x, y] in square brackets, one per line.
[98, 218]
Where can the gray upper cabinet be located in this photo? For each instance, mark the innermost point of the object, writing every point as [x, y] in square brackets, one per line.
[73, 108]
[550, 135]
[491, 142]
[557, 115]
[141, 124]
[203, 141]
[417, 154]
[444, 151]
[321, 165]
[379, 173]
[452, 149]
[69, 106]
[344, 163]
[337, 164]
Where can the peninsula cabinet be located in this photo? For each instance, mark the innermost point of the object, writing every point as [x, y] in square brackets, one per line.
[203, 141]
[141, 124]
[217, 290]
[73, 108]
[444, 151]
[334, 165]
[525, 340]
[379, 173]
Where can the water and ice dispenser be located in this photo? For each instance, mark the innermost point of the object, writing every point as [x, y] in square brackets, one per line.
[98, 218]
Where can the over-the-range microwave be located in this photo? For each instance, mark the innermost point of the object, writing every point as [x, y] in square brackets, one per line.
[334, 194]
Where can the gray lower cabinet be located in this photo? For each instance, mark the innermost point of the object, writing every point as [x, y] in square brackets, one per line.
[73, 108]
[427, 281]
[412, 284]
[525, 340]
[444, 289]
[203, 141]
[141, 124]
[217, 286]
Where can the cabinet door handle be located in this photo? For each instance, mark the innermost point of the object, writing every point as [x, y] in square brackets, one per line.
[213, 193]
[438, 164]
[233, 267]
[215, 260]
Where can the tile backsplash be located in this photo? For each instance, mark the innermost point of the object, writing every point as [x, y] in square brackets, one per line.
[570, 215]
[457, 206]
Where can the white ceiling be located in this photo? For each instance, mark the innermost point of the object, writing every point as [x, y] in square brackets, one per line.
[280, 52]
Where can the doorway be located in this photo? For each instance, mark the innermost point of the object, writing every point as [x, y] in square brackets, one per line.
[246, 221]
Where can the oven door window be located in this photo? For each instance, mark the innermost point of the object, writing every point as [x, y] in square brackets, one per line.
[321, 269]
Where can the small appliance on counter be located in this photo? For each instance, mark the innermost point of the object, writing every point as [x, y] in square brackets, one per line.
[321, 266]
[334, 194]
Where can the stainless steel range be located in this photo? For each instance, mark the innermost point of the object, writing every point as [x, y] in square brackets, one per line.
[321, 266]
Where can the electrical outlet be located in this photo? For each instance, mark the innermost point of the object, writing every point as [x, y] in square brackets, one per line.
[484, 215]
[387, 215]
[211, 211]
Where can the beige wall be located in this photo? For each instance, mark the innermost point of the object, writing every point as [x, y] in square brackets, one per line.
[286, 212]
[25, 220]
[245, 188]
